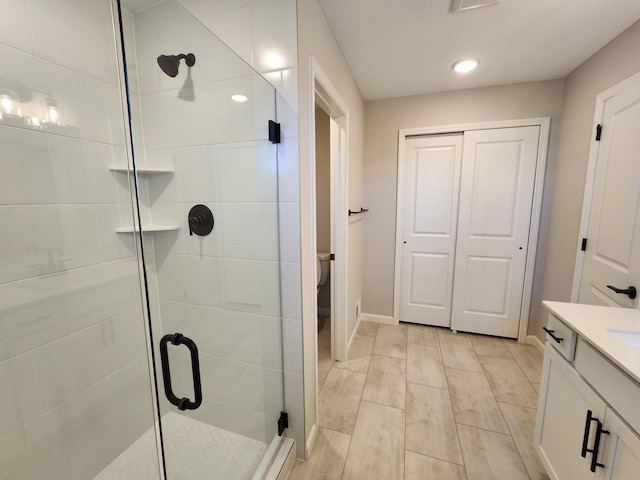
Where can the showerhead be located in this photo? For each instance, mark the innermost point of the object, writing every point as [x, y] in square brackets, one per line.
[169, 63]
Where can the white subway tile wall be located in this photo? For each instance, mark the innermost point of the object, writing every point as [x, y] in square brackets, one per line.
[72, 346]
[223, 290]
[72, 350]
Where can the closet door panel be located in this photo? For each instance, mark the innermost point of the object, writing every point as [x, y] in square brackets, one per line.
[430, 207]
[496, 195]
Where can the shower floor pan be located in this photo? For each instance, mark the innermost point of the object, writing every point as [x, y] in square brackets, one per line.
[194, 451]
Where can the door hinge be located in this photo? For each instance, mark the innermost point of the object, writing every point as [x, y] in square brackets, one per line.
[274, 132]
[332, 257]
[283, 423]
[598, 132]
[584, 245]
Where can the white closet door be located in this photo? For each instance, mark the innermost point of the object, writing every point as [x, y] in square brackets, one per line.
[612, 256]
[498, 176]
[430, 209]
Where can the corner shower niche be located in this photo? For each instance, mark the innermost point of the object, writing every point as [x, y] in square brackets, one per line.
[148, 173]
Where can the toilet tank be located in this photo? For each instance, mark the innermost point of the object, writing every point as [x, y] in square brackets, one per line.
[323, 267]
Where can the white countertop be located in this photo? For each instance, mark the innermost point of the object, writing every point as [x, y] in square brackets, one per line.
[591, 323]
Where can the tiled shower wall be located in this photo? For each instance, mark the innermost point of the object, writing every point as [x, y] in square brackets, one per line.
[264, 33]
[73, 363]
[68, 282]
[221, 290]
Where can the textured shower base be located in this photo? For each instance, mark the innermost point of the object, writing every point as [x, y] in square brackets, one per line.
[193, 451]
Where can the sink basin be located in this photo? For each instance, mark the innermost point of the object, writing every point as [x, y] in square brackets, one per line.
[630, 337]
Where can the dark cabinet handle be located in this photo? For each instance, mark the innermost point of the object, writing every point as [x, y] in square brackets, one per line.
[596, 447]
[181, 403]
[587, 430]
[596, 443]
[631, 292]
[551, 334]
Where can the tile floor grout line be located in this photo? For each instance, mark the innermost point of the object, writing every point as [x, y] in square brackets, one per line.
[453, 414]
[511, 434]
[406, 396]
[346, 459]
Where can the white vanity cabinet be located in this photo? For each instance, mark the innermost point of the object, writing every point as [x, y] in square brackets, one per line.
[565, 402]
[622, 460]
[588, 411]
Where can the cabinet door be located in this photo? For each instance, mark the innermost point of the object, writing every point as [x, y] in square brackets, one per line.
[561, 426]
[622, 450]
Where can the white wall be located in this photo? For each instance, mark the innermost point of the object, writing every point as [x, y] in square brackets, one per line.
[315, 39]
[383, 120]
[73, 368]
[611, 65]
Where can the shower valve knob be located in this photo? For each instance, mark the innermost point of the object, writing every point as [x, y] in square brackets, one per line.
[200, 220]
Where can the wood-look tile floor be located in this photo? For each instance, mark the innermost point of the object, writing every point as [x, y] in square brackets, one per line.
[419, 403]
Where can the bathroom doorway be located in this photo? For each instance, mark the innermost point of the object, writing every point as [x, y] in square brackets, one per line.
[330, 182]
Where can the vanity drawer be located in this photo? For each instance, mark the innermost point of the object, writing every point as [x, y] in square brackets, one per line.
[561, 337]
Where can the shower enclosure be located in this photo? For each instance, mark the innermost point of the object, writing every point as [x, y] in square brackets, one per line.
[140, 338]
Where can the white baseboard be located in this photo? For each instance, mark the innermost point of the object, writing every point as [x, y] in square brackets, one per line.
[535, 341]
[370, 317]
[310, 441]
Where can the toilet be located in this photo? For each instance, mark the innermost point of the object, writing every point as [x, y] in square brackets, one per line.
[323, 268]
[322, 272]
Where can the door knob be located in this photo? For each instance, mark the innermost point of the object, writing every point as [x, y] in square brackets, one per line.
[631, 292]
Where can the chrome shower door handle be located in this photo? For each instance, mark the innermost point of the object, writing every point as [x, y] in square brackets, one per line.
[181, 403]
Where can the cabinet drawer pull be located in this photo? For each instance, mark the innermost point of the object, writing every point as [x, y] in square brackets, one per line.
[551, 334]
[596, 447]
[587, 430]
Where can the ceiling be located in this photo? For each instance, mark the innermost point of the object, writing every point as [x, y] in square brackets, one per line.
[397, 48]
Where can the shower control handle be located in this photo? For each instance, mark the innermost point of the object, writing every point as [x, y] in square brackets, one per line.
[181, 403]
[200, 220]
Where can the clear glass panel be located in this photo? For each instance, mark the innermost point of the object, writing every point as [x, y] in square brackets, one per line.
[74, 373]
[194, 144]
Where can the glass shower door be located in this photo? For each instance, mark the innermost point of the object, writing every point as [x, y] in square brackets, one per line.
[207, 178]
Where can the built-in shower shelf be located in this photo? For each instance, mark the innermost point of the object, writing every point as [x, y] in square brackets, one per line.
[143, 170]
[149, 228]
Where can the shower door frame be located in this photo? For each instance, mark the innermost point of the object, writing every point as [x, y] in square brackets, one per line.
[123, 81]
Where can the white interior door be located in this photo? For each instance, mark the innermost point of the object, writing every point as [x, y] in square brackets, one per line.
[612, 256]
[338, 268]
[497, 185]
[430, 210]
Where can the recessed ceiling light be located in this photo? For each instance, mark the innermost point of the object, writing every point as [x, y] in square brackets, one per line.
[465, 66]
[239, 98]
